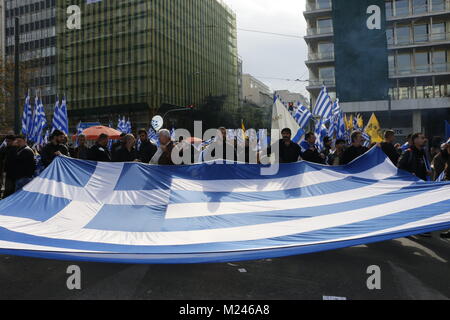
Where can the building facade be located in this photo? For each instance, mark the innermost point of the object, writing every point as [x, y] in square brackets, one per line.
[138, 57]
[255, 91]
[2, 30]
[418, 46]
[37, 33]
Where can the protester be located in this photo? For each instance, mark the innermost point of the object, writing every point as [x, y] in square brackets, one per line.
[335, 157]
[99, 152]
[81, 151]
[126, 152]
[7, 159]
[327, 146]
[441, 160]
[24, 163]
[163, 155]
[54, 148]
[388, 147]
[356, 149]
[309, 149]
[290, 152]
[221, 149]
[408, 143]
[413, 160]
[117, 144]
[147, 149]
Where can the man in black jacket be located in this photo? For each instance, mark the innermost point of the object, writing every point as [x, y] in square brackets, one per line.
[24, 164]
[55, 148]
[391, 150]
[290, 152]
[356, 149]
[413, 160]
[99, 152]
[309, 150]
[147, 149]
[127, 152]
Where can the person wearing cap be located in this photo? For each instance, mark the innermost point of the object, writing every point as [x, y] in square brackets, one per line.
[24, 163]
[440, 160]
[54, 148]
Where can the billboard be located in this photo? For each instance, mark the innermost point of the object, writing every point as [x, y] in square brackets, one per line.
[361, 56]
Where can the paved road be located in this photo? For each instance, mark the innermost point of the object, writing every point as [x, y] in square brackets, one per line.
[413, 268]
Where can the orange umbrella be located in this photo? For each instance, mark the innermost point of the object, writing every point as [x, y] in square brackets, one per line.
[94, 132]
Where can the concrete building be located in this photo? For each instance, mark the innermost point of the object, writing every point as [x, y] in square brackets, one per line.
[135, 57]
[37, 21]
[418, 45]
[292, 97]
[255, 91]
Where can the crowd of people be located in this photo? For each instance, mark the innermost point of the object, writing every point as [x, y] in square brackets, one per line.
[18, 161]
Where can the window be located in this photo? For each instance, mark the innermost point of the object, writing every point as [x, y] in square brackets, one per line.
[324, 26]
[421, 33]
[437, 5]
[438, 31]
[390, 36]
[389, 9]
[404, 63]
[326, 73]
[325, 50]
[420, 6]
[323, 4]
[440, 61]
[422, 62]
[401, 7]
[403, 36]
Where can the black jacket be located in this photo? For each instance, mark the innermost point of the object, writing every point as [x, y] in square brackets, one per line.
[123, 155]
[24, 164]
[99, 154]
[289, 154]
[146, 151]
[313, 156]
[48, 152]
[413, 160]
[352, 153]
[391, 152]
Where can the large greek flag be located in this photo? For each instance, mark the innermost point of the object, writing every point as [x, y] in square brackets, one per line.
[137, 213]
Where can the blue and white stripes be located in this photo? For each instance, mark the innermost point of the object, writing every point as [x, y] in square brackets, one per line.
[137, 213]
[324, 105]
[60, 118]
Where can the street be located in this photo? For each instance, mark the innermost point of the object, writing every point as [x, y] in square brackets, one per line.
[413, 268]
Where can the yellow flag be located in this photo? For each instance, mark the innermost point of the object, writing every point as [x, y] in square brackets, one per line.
[360, 121]
[373, 129]
[244, 131]
[350, 123]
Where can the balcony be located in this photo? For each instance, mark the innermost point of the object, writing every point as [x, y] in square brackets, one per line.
[317, 84]
[422, 70]
[315, 9]
[414, 12]
[313, 33]
[320, 57]
[421, 41]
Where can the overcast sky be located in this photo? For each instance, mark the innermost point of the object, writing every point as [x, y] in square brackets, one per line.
[272, 56]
